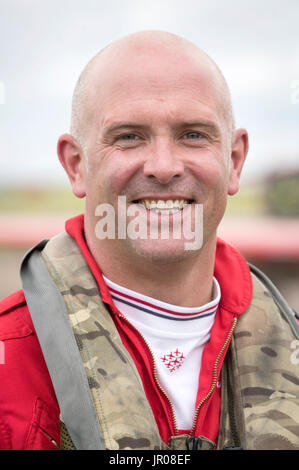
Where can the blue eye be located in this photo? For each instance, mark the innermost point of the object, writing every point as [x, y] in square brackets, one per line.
[129, 137]
[192, 135]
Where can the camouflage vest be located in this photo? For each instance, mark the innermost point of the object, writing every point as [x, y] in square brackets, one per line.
[260, 395]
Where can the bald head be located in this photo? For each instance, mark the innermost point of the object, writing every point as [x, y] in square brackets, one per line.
[141, 50]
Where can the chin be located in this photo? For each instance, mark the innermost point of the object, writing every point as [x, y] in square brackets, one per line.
[161, 251]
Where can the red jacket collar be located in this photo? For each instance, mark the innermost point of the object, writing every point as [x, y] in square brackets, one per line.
[231, 271]
[233, 274]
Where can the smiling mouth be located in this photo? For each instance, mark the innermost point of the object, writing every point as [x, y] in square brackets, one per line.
[160, 206]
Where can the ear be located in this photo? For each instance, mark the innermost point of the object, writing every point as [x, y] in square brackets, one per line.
[239, 152]
[72, 159]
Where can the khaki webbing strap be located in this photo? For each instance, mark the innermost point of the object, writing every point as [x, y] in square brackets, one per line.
[58, 344]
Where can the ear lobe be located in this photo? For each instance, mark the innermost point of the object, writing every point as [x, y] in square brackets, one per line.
[72, 159]
[240, 148]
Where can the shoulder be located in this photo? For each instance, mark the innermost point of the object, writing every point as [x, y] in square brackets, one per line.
[267, 297]
[15, 320]
[12, 301]
[27, 400]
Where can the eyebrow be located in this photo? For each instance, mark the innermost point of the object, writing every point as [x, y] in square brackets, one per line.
[122, 126]
[209, 126]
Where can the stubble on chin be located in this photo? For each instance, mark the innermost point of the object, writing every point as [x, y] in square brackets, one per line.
[159, 253]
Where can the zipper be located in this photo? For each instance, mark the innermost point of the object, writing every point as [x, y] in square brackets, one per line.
[214, 382]
[50, 438]
[215, 374]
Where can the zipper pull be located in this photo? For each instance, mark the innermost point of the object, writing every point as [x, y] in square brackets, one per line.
[233, 448]
[193, 443]
[199, 443]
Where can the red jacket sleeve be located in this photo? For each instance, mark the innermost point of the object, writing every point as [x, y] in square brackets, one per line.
[29, 412]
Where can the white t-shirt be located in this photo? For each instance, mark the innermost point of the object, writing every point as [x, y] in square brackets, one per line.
[176, 337]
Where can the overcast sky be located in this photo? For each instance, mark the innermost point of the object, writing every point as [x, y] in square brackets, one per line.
[44, 45]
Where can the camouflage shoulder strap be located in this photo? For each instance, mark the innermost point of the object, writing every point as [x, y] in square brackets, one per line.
[260, 375]
[50, 318]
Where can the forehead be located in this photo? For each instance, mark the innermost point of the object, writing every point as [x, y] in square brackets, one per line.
[156, 113]
[135, 85]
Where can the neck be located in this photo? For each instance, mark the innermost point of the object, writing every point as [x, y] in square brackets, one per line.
[185, 283]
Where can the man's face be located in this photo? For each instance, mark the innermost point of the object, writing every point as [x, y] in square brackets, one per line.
[158, 133]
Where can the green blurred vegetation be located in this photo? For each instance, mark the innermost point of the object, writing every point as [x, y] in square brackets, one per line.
[249, 201]
[35, 200]
[282, 195]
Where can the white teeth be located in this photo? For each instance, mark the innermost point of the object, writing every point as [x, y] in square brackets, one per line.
[160, 205]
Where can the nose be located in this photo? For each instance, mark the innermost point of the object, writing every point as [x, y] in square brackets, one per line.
[163, 163]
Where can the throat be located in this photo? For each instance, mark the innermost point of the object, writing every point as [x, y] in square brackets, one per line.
[184, 289]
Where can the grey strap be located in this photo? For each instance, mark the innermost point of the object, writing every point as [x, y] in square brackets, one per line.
[50, 318]
[282, 304]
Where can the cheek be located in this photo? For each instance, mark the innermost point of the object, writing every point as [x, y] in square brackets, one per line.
[119, 175]
[110, 172]
[211, 171]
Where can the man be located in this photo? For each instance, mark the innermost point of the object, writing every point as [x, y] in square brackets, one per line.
[139, 342]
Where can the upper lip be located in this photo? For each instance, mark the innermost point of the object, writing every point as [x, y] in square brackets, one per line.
[167, 197]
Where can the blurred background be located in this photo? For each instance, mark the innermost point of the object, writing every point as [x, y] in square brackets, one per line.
[44, 45]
